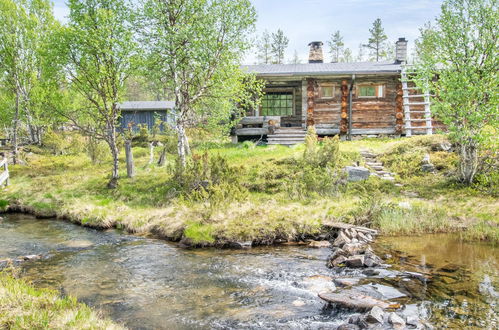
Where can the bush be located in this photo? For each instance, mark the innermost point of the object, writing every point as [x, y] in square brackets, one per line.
[97, 150]
[63, 143]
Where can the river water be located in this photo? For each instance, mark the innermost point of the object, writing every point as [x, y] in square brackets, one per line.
[150, 284]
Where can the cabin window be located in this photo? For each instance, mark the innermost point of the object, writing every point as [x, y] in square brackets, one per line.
[327, 91]
[371, 91]
[277, 104]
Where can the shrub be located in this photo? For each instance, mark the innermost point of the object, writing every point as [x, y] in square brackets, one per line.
[97, 150]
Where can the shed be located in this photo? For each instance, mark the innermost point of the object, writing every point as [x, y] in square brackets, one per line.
[146, 112]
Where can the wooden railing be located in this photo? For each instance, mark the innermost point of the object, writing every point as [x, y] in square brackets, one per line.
[4, 172]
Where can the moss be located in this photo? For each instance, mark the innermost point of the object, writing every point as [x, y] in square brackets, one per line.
[4, 204]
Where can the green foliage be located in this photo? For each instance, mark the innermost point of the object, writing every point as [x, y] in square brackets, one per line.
[4, 204]
[376, 43]
[63, 143]
[199, 233]
[97, 150]
[278, 46]
[461, 49]
[248, 145]
[25, 307]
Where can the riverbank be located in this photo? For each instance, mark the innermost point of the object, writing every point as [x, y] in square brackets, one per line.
[24, 307]
[274, 200]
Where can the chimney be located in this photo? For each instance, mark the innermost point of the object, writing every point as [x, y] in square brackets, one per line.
[401, 51]
[316, 55]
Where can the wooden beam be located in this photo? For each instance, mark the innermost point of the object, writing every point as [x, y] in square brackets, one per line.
[251, 131]
[344, 107]
[310, 101]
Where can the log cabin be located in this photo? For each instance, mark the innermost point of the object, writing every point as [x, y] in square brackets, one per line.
[349, 99]
[146, 113]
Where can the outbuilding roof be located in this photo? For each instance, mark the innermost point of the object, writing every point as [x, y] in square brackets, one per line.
[146, 105]
[324, 69]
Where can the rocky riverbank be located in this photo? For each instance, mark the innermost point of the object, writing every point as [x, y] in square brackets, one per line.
[376, 306]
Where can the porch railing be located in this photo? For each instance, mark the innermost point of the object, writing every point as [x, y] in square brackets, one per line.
[4, 172]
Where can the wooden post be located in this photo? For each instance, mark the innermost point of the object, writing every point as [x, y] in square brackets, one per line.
[310, 102]
[4, 176]
[130, 168]
[399, 111]
[344, 107]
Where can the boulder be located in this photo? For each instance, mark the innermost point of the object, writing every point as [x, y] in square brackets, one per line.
[357, 173]
[337, 261]
[341, 240]
[319, 244]
[396, 320]
[356, 261]
[429, 168]
[376, 315]
[353, 299]
[354, 248]
[372, 260]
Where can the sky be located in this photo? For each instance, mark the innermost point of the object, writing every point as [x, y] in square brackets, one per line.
[304, 21]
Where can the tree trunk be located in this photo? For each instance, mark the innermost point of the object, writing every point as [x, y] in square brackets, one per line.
[130, 167]
[151, 153]
[468, 163]
[181, 146]
[162, 158]
[15, 130]
[113, 183]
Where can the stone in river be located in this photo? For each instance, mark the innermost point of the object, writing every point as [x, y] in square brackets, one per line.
[376, 315]
[355, 261]
[353, 299]
[343, 281]
[396, 321]
[341, 240]
[320, 244]
[348, 327]
[354, 248]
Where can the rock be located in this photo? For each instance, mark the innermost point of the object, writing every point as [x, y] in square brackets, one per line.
[415, 275]
[319, 244]
[353, 299]
[242, 245]
[396, 320]
[443, 146]
[298, 303]
[356, 261]
[337, 261]
[344, 281]
[372, 260]
[341, 240]
[426, 159]
[31, 257]
[428, 168]
[348, 327]
[354, 248]
[376, 315]
[363, 237]
[358, 173]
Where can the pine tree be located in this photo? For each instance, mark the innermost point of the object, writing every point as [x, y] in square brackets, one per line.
[376, 43]
[296, 59]
[265, 48]
[279, 44]
[360, 54]
[336, 45]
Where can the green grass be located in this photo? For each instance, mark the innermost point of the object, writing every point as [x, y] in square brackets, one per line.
[275, 197]
[25, 307]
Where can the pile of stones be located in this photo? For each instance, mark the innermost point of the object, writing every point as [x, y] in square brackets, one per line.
[351, 248]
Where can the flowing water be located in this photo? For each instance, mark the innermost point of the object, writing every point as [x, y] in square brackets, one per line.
[149, 284]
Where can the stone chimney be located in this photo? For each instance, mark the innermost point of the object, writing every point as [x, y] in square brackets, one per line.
[316, 55]
[401, 51]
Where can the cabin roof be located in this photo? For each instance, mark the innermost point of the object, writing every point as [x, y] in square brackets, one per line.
[146, 105]
[324, 69]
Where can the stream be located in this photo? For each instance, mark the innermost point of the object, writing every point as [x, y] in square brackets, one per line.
[147, 283]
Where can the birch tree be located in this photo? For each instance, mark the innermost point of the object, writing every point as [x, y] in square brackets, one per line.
[98, 51]
[23, 28]
[458, 56]
[196, 45]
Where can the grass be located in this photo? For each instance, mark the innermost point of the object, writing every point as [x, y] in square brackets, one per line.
[271, 196]
[24, 307]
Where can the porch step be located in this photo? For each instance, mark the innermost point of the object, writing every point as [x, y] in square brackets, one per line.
[287, 136]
